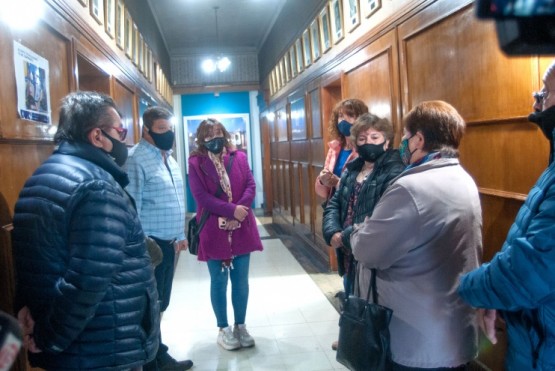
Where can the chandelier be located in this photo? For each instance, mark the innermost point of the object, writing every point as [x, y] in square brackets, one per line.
[221, 63]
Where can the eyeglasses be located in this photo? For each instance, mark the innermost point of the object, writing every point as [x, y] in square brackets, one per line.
[541, 96]
[122, 132]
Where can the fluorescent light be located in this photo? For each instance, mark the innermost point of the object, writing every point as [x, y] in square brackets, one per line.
[22, 14]
[223, 64]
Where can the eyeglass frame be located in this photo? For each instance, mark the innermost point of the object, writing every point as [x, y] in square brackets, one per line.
[122, 132]
[541, 96]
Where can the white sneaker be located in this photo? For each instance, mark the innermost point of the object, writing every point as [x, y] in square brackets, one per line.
[241, 333]
[227, 340]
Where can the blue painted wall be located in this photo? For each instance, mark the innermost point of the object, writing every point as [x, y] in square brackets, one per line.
[204, 104]
[207, 104]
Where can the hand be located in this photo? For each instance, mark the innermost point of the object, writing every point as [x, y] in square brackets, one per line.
[27, 326]
[232, 225]
[336, 240]
[181, 246]
[486, 320]
[241, 212]
[327, 178]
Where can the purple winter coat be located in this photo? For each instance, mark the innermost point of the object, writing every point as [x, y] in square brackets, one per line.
[204, 183]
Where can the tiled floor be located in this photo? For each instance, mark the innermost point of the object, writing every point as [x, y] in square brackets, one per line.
[290, 318]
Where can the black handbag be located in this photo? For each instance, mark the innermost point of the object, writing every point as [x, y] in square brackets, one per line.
[363, 343]
[194, 228]
[193, 232]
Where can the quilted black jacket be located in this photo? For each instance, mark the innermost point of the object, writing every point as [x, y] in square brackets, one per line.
[386, 168]
[82, 267]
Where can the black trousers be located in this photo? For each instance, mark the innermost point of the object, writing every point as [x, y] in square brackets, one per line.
[164, 272]
[164, 278]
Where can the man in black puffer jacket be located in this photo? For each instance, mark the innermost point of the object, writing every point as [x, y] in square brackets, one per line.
[86, 292]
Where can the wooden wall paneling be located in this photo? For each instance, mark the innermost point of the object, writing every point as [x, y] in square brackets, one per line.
[289, 212]
[507, 157]
[126, 101]
[457, 59]
[279, 185]
[296, 192]
[315, 113]
[330, 95]
[306, 185]
[55, 48]
[275, 185]
[7, 288]
[282, 184]
[373, 77]
[91, 77]
[265, 130]
[300, 155]
[281, 125]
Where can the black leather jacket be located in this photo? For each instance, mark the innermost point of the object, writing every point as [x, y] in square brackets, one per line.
[386, 168]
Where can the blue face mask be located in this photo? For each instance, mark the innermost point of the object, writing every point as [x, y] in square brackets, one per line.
[405, 152]
[344, 128]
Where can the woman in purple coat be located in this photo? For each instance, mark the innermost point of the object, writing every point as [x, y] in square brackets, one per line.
[222, 184]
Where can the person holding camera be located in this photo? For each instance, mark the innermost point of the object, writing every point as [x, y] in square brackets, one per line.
[223, 186]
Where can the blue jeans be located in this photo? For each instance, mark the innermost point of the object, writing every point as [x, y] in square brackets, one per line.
[239, 276]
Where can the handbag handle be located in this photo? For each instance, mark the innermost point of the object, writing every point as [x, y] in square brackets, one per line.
[371, 287]
[206, 213]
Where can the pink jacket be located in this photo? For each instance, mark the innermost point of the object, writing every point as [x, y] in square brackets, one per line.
[333, 153]
[204, 183]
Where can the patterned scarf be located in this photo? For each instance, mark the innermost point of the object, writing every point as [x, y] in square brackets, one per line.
[222, 174]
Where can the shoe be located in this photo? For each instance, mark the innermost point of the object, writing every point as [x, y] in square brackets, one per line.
[170, 364]
[241, 333]
[334, 345]
[227, 340]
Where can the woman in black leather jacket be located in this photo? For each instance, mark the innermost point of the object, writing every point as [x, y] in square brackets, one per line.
[362, 184]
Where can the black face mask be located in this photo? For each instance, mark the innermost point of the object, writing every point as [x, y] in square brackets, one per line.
[119, 150]
[545, 120]
[371, 152]
[215, 145]
[163, 141]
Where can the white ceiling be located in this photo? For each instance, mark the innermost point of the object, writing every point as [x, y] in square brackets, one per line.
[189, 26]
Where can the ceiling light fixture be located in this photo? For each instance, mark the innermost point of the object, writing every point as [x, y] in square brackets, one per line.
[221, 64]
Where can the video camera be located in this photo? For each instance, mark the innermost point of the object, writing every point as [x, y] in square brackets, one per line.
[523, 26]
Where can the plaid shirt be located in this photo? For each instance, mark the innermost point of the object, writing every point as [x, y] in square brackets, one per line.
[159, 195]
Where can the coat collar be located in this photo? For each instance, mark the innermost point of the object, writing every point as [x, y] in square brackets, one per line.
[95, 155]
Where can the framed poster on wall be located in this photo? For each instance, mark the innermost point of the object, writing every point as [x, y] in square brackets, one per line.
[237, 124]
[325, 35]
[351, 14]
[336, 18]
[315, 40]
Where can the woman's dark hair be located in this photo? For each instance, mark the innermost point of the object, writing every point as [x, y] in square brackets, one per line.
[206, 130]
[82, 111]
[367, 121]
[155, 113]
[440, 124]
[349, 107]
